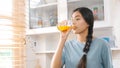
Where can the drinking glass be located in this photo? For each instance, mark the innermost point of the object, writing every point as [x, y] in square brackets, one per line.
[64, 26]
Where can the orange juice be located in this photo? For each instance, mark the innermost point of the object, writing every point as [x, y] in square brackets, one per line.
[63, 28]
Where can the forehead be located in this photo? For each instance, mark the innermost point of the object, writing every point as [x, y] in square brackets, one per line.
[76, 14]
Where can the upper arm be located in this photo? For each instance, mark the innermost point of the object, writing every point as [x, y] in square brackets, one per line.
[106, 56]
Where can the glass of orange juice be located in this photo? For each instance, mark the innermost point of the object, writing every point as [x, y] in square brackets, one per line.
[64, 26]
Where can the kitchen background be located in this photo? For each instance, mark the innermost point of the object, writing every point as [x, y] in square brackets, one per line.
[43, 36]
[32, 37]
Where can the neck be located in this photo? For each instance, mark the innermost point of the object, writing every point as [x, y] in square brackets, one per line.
[81, 37]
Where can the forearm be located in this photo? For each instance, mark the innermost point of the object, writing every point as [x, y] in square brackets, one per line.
[57, 58]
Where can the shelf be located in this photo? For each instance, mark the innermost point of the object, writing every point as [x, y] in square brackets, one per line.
[52, 52]
[99, 24]
[45, 52]
[84, 2]
[47, 30]
[113, 49]
[45, 5]
[44, 30]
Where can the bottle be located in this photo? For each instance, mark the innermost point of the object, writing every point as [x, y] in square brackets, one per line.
[40, 22]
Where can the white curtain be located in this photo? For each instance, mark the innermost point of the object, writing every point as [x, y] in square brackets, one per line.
[12, 33]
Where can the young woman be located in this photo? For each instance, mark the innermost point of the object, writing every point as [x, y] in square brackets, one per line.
[85, 51]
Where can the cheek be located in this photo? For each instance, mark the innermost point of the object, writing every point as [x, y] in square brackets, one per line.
[82, 24]
[81, 27]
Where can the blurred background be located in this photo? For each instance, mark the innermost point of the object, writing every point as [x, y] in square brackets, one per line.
[29, 36]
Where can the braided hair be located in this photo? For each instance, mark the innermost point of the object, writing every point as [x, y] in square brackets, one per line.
[89, 18]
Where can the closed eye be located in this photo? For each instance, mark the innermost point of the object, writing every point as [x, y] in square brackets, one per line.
[77, 19]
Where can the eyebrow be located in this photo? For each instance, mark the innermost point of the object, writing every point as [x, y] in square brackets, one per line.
[78, 16]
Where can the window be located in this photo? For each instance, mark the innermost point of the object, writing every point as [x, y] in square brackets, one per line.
[12, 33]
[7, 7]
[5, 57]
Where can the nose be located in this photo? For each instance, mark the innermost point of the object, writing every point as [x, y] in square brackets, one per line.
[73, 22]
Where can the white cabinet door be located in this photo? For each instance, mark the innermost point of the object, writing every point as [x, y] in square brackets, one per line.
[42, 13]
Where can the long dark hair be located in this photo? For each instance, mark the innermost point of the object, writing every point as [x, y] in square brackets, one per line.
[89, 18]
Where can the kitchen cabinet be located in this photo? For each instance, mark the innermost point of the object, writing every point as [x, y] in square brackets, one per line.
[43, 17]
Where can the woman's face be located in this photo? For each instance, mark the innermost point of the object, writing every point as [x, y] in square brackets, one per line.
[79, 24]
